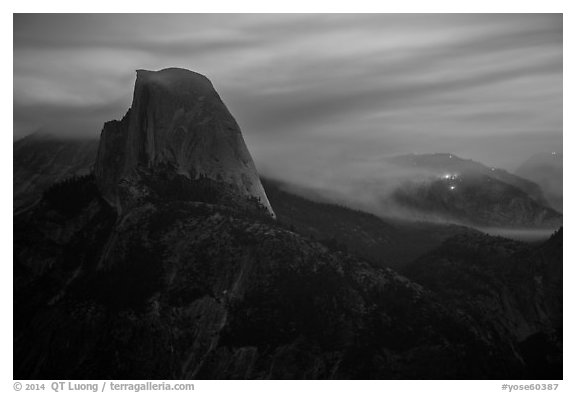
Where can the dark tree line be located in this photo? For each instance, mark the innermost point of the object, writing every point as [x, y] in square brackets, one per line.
[71, 194]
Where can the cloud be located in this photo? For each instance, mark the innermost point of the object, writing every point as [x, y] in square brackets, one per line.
[317, 87]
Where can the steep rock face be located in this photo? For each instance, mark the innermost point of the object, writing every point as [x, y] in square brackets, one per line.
[177, 121]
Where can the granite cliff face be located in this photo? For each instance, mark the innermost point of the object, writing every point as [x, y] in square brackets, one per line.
[178, 127]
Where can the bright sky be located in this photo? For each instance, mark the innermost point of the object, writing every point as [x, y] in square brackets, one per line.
[317, 87]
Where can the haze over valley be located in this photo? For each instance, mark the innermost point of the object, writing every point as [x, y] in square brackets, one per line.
[288, 196]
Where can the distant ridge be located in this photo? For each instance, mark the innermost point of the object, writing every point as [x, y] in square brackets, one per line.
[470, 193]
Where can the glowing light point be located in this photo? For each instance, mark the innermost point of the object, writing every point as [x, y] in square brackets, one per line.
[492, 169]
[452, 187]
[553, 153]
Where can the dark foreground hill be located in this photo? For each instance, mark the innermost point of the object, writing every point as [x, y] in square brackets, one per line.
[507, 287]
[184, 289]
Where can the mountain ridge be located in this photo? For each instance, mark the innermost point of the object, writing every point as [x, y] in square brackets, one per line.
[470, 193]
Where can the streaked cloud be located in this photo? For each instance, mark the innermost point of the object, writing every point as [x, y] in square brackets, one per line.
[353, 85]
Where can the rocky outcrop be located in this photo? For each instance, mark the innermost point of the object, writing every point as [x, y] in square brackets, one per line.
[177, 122]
